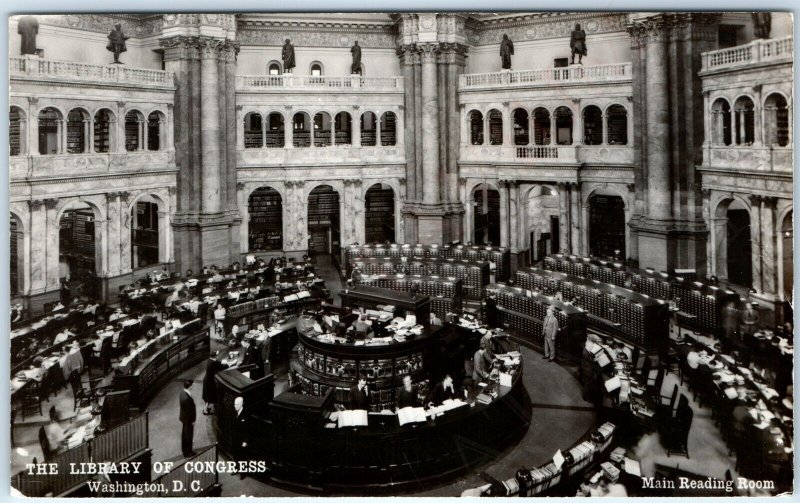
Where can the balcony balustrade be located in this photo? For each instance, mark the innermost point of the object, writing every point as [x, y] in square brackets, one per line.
[38, 68]
[317, 82]
[757, 51]
[619, 72]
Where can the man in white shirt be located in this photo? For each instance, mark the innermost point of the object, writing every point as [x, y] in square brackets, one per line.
[693, 360]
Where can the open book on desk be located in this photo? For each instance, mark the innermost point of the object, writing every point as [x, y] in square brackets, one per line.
[411, 415]
[352, 418]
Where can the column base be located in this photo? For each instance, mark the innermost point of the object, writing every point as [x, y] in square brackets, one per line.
[666, 245]
[204, 239]
[437, 223]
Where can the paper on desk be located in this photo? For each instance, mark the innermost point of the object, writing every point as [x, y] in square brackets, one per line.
[505, 379]
[411, 415]
[633, 467]
[731, 393]
[558, 459]
[352, 418]
[613, 384]
[602, 360]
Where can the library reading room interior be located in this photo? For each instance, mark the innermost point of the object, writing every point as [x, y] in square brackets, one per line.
[428, 254]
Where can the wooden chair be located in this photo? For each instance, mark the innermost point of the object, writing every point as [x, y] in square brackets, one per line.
[47, 452]
[677, 436]
[31, 399]
[80, 395]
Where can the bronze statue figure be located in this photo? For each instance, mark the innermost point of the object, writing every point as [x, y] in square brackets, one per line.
[28, 27]
[762, 24]
[288, 56]
[577, 42]
[116, 42]
[355, 66]
[506, 50]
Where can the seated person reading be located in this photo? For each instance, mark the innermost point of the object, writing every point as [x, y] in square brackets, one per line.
[407, 396]
[444, 390]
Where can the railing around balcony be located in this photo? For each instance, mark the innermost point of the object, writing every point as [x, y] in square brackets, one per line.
[576, 73]
[31, 66]
[347, 83]
[757, 51]
[537, 153]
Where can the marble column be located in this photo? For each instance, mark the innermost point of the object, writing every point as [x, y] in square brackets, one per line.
[503, 187]
[513, 215]
[659, 205]
[62, 137]
[51, 244]
[418, 130]
[120, 134]
[575, 221]
[406, 55]
[768, 237]
[114, 230]
[88, 131]
[209, 119]
[563, 216]
[359, 212]
[430, 124]
[720, 239]
[577, 123]
[288, 129]
[170, 137]
[264, 126]
[468, 211]
[755, 241]
[356, 127]
[164, 237]
[125, 219]
[31, 133]
[604, 120]
[37, 229]
[453, 130]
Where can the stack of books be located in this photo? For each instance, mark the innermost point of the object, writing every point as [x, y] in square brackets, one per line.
[610, 471]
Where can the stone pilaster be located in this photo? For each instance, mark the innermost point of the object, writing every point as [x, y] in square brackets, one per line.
[51, 234]
[575, 245]
[755, 240]
[768, 242]
[114, 214]
[430, 124]
[38, 247]
[563, 216]
[209, 121]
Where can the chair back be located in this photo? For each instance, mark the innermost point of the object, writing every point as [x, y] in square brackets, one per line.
[44, 443]
[659, 380]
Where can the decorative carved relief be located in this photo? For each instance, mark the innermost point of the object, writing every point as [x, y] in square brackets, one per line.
[51, 204]
[99, 23]
[303, 35]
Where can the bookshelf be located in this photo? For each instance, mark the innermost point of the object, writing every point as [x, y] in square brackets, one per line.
[14, 136]
[266, 220]
[76, 242]
[446, 293]
[379, 215]
[388, 129]
[75, 135]
[323, 220]
[14, 234]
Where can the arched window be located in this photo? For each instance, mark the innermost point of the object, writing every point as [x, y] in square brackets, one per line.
[379, 214]
[744, 130]
[475, 122]
[276, 135]
[388, 129]
[316, 69]
[541, 126]
[253, 125]
[368, 128]
[155, 131]
[15, 131]
[592, 125]
[77, 131]
[343, 127]
[265, 231]
[495, 118]
[776, 121]
[103, 132]
[721, 122]
[49, 131]
[301, 130]
[521, 127]
[322, 129]
[273, 68]
[563, 116]
[617, 119]
[134, 122]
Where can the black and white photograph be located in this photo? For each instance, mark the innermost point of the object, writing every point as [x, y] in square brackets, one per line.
[412, 253]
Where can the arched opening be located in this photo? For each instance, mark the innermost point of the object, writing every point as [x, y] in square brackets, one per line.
[144, 232]
[76, 243]
[155, 131]
[787, 232]
[301, 130]
[563, 117]
[776, 121]
[379, 203]
[265, 231]
[739, 246]
[273, 68]
[134, 121]
[16, 255]
[541, 126]
[322, 129]
[77, 131]
[323, 220]
[542, 222]
[592, 125]
[521, 127]
[316, 69]
[606, 225]
[344, 128]
[253, 130]
[475, 119]
[486, 225]
[388, 129]
[745, 121]
[617, 125]
[276, 136]
[15, 131]
[49, 131]
[721, 113]
[103, 131]
[368, 127]
[495, 127]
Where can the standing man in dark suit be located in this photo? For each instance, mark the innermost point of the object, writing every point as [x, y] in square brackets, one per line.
[359, 395]
[187, 417]
[241, 433]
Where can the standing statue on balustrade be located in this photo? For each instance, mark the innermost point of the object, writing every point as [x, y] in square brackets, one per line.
[287, 54]
[28, 27]
[762, 24]
[506, 51]
[116, 42]
[355, 67]
[577, 42]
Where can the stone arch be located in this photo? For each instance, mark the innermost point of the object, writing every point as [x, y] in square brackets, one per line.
[380, 212]
[475, 120]
[369, 128]
[76, 257]
[158, 229]
[542, 234]
[731, 234]
[19, 244]
[485, 224]
[49, 131]
[606, 232]
[721, 122]
[156, 130]
[264, 208]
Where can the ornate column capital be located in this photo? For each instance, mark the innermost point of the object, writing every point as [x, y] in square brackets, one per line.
[33, 100]
[755, 199]
[124, 196]
[631, 187]
[210, 48]
[173, 191]
[769, 201]
[705, 192]
[428, 52]
[121, 104]
[51, 203]
[239, 186]
[35, 204]
[401, 181]
[288, 183]
[462, 181]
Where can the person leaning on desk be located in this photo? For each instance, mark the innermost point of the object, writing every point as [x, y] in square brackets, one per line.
[444, 390]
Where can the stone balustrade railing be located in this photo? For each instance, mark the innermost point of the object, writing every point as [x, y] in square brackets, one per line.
[550, 154]
[757, 51]
[328, 83]
[572, 74]
[35, 67]
[749, 158]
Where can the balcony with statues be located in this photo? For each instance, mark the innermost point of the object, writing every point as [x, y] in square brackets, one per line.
[748, 107]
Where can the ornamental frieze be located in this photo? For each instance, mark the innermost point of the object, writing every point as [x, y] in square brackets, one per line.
[302, 37]
[102, 23]
[545, 27]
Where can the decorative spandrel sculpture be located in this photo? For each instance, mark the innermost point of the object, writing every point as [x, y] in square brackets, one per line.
[287, 54]
[28, 28]
[506, 50]
[116, 42]
[355, 66]
[762, 24]
[577, 42]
